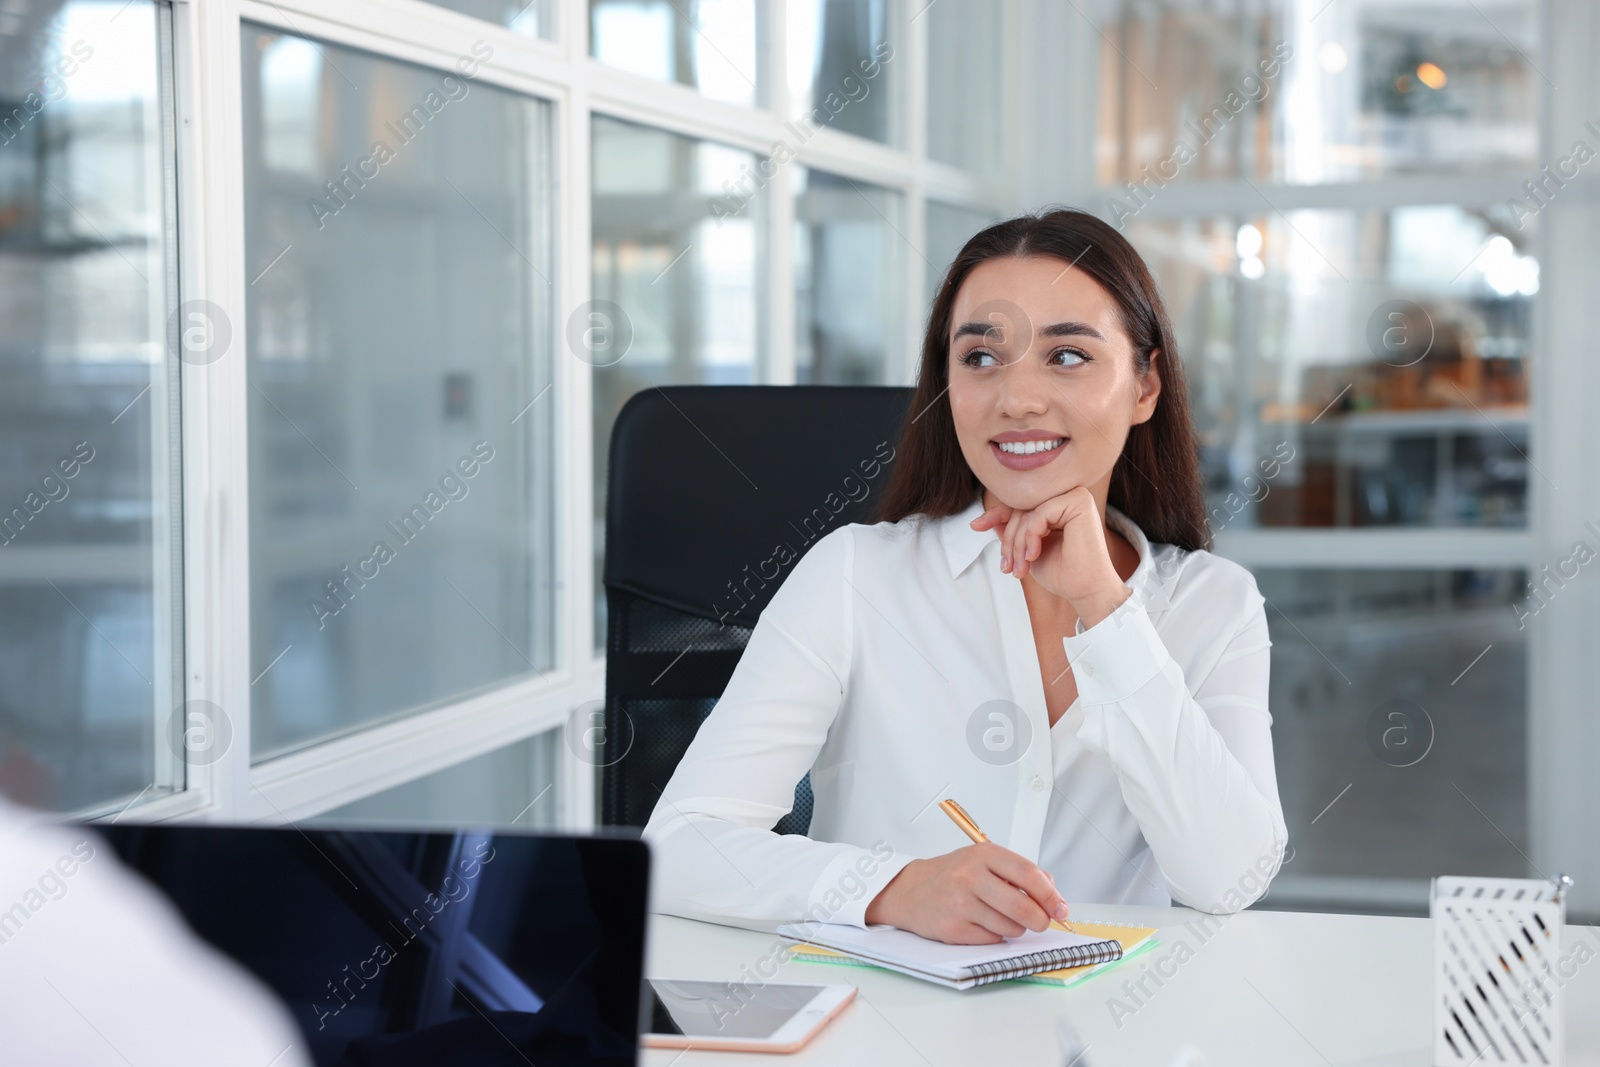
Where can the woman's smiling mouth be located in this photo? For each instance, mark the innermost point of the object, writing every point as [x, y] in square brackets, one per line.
[1025, 450]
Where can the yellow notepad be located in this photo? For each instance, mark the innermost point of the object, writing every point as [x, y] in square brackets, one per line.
[1134, 940]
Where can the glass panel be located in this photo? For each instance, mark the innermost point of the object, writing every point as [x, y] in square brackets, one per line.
[838, 56]
[510, 786]
[707, 44]
[531, 18]
[1399, 698]
[397, 240]
[677, 278]
[90, 649]
[967, 70]
[949, 227]
[1375, 363]
[1308, 91]
[849, 281]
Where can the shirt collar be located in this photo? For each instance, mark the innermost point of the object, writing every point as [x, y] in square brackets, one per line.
[963, 545]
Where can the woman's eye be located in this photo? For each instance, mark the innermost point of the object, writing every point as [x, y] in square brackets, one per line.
[976, 357]
[1068, 357]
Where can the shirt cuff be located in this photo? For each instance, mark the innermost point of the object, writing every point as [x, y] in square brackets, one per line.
[851, 882]
[1117, 656]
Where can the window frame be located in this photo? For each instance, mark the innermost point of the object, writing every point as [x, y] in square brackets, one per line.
[204, 45]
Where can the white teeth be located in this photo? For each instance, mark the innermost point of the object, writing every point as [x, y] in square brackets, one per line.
[1024, 448]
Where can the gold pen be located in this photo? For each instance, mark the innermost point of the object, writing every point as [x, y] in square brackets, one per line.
[959, 816]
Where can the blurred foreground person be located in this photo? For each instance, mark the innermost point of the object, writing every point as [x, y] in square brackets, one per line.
[96, 968]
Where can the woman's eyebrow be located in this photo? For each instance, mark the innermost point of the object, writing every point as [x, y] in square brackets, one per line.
[1072, 329]
[1057, 329]
[978, 329]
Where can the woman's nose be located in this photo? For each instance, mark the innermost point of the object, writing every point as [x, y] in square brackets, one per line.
[1023, 389]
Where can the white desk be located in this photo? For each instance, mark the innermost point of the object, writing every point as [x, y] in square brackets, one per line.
[1276, 989]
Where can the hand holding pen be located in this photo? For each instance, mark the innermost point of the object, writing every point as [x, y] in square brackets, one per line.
[969, 896]
[959, 816]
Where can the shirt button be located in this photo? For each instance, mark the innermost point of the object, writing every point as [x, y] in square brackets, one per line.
[1038, 784]
[1088, 669]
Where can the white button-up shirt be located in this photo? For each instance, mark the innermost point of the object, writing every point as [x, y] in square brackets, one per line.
[897, 664]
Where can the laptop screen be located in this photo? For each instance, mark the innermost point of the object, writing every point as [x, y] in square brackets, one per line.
[393, 949]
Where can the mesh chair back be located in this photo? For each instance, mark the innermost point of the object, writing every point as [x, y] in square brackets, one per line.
[706, 483]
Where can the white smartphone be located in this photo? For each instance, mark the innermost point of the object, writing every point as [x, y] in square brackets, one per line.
[739, 1016]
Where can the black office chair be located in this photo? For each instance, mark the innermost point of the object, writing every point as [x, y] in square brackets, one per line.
[705, 482]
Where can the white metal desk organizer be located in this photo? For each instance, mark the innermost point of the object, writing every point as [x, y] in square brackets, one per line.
[1496, 988]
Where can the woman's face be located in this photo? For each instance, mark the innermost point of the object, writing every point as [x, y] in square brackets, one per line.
[1043, 386]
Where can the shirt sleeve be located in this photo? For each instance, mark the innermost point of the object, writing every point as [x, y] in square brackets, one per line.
[1195, 764]
[714, 855]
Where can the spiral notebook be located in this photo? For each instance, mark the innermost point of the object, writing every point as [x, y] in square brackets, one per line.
[957, 966]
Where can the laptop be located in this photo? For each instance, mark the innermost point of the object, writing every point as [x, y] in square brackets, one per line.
[394, 949]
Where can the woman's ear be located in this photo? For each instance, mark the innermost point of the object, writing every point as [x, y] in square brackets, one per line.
[1149, 391]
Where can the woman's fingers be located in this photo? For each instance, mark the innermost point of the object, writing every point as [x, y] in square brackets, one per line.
[992, 517]
[976, 895]
[1031, 529]
[1008, 558]
[1054, 515]
[1022, 534]
[1030, 878]
[1017, 906]
[1035, 527]
[1034, 532]
[1019, 543]
[982, 913]
[962, 932]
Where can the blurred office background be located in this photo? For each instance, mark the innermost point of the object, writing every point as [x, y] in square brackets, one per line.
[262, 346]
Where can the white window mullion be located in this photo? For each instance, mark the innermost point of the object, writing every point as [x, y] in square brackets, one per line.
[912, 84]
[772, 45]
[215, 400]
[779, 297]
[1055, 157]
[166, 437]
[522, 64]
[404, 24]
[577, 803]
[780, 276]
[1564, 501]
[572, 29]
[1011, 97]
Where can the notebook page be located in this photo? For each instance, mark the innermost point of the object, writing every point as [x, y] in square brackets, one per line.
[901, 948]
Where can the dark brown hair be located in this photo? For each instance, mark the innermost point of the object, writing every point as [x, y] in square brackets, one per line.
[1156, 481]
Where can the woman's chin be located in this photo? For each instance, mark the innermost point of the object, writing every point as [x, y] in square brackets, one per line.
[1022, 491]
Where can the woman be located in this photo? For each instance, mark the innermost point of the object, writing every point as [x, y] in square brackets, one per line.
[1034, 628]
